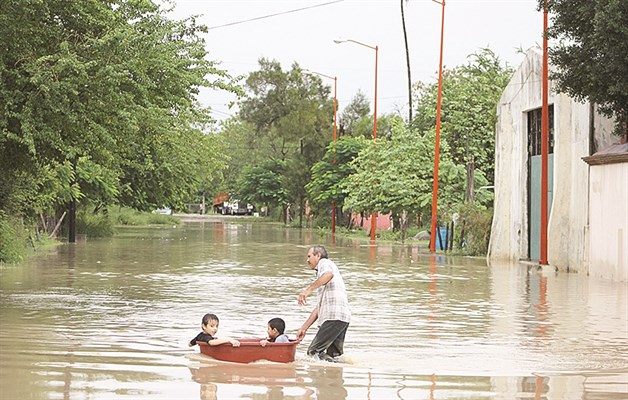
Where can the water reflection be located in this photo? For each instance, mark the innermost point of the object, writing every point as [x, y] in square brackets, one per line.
[281, 381]
[108, 319]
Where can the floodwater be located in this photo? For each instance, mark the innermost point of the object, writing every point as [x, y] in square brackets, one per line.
[111, 319]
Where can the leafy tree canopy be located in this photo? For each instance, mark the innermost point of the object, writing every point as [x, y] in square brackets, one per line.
[591, 54]
[336, 165]
[395, 175]
[292, 115]
[468, 117]
[98, 102]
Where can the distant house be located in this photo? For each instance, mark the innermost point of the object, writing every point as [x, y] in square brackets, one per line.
[577, 130]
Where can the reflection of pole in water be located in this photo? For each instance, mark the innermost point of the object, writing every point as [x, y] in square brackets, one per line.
[372, 254]
[432, 303]
[542, 308]
[538, 307]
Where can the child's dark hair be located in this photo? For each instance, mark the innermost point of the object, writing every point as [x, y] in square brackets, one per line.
[209, 317]
[277, 323]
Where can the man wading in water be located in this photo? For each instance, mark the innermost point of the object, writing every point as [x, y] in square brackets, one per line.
[332, 307]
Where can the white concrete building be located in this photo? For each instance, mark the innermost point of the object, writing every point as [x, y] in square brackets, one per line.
[576, 131]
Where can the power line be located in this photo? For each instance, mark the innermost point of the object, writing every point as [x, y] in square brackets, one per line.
[273, 15]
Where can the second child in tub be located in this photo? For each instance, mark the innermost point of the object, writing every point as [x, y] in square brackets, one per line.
[276, 327]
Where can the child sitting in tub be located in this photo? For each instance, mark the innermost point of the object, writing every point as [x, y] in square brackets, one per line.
[209, 324]
[276, 326]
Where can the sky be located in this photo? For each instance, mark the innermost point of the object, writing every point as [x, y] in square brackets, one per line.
[303, 31]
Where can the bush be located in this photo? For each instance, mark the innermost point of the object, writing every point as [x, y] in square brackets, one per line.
[160, 219]
[94, 225]
[13, 239]
[476, 221]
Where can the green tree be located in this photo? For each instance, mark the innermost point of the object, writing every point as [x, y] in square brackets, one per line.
[328, 174]
[591, 53]
[395, 176]
[470, 96]
[356, 111]
[263, 184]
[292, 118]
[98, 105]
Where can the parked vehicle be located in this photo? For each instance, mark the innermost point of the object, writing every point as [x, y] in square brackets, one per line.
[238, 207]
[225, 205]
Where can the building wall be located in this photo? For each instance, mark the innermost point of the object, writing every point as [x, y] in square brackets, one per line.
[509, 232]
[568, 218]
[608, 216]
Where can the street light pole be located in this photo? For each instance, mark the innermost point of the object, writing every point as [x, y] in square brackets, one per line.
[376, 48]
[333, 203]
[437, 140]
[544, 144]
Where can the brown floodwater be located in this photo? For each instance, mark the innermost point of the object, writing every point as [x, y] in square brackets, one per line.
[111, 319]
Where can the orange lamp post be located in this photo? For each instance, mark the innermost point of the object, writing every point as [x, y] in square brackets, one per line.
[437, 141]
[544, 145]
[374, 215]
[333, 203]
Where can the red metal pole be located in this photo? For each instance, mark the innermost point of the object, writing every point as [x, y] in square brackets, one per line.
[374, 215]
[437, 140]
[544, 145]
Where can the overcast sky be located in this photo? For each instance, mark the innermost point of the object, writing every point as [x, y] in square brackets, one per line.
[303, 31]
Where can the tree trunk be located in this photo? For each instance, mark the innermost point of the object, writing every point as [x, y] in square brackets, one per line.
[470, 178]
[405, 37]
[72, 216]
[403, 222]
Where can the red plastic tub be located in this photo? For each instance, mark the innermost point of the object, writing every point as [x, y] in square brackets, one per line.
[250, 350]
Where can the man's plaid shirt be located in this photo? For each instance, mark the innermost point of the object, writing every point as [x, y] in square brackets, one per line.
[332, 298]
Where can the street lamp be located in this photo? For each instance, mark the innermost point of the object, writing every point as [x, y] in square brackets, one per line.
[374, 215]
[333, 203]
[544, 144]
[437, 141]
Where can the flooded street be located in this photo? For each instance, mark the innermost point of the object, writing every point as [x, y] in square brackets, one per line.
[111, 319]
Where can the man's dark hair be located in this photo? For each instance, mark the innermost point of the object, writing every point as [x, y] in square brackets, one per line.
[318, 249]
[277, 323]
[209, 317]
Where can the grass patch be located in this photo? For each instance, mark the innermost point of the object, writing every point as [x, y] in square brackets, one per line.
[130, 217]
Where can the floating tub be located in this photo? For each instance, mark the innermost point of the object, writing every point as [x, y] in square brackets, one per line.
[250, 350]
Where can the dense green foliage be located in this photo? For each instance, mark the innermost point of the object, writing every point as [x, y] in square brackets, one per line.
[468, 111]
[395, 176]
[263, 184]
[13, 239]
[290, 115]
[98, 105]
[329, 173]
[591, 53]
